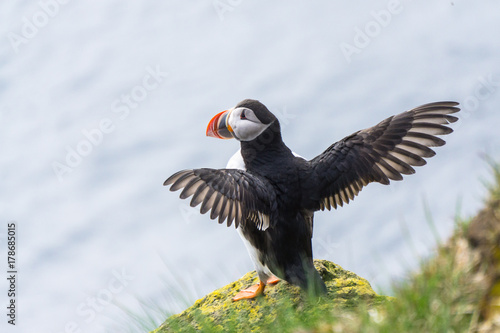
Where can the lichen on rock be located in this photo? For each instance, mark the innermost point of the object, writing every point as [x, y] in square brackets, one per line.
[218, 312]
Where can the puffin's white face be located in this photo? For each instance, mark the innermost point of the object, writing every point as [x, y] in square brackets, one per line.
[244, 125]
[241, 122]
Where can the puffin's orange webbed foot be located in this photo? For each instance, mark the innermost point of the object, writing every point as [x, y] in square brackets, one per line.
[273, 280]
[250, 293]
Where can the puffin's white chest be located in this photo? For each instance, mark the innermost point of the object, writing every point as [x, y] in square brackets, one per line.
[236, 162]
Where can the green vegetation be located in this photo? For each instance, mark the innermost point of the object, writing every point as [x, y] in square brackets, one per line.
[458, 290]
[283, 305]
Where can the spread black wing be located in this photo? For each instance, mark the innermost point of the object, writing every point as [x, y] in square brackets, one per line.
[229, 193]
[380, 153]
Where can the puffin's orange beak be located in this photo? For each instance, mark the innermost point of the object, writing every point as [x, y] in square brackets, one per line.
[218, 126]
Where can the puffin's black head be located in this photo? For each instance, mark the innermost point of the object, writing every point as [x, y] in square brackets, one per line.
[245, 122]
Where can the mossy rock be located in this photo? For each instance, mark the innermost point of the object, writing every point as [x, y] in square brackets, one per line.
[283, 301]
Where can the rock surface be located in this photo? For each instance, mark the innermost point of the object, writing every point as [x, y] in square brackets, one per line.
[483, 238]
[345, 289]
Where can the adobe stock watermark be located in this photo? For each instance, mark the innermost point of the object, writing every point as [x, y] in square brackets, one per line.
[187, 212]
[225, 6]
[121, 107]
[484, 89]
[88, 310]
[283, 116]
[371, 30]
[30, 27]
[326, 247]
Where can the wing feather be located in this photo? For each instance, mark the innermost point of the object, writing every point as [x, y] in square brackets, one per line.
[199, 195]
[229, 194]
[381, 153]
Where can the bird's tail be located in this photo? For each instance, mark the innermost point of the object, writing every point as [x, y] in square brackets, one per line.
[315, 284]
[308, 279]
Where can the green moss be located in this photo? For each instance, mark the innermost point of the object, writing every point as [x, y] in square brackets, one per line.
[283, 303]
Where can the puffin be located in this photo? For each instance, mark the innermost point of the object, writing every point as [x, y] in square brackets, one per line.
[270, 193]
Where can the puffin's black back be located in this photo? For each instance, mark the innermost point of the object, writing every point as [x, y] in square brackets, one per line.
[285, 247]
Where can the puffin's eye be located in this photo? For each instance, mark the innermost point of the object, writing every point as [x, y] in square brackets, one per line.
[242, 115]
